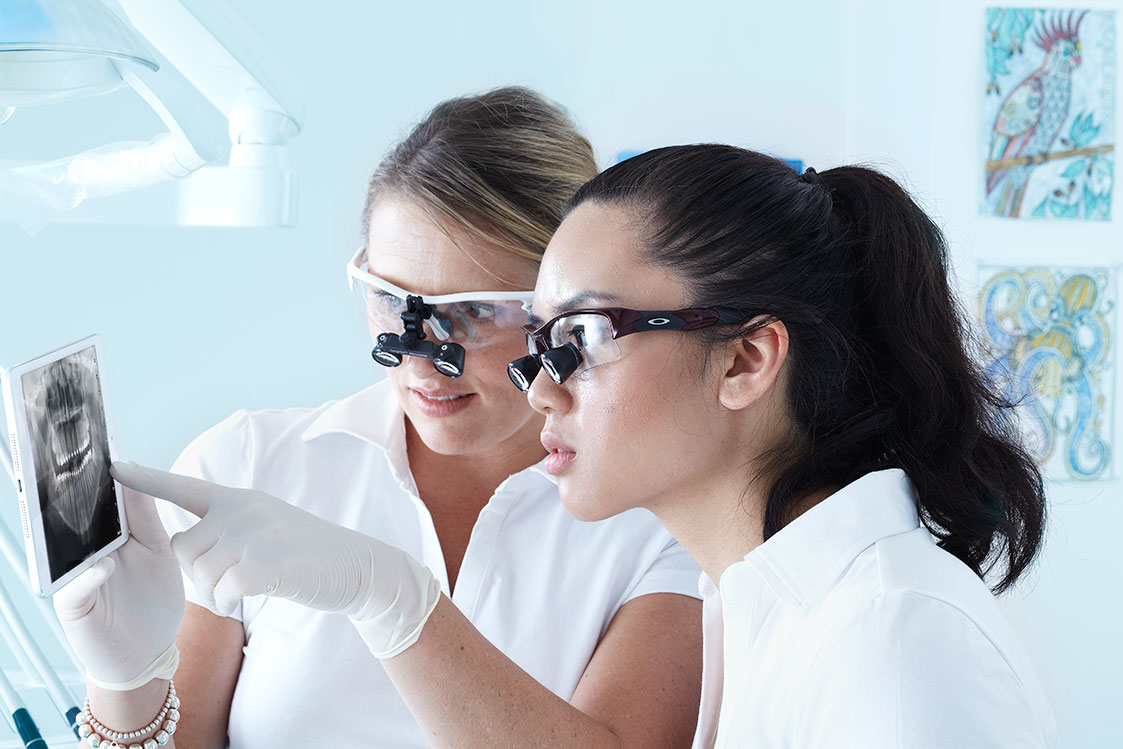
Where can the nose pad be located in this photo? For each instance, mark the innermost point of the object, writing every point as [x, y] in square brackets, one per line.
[561, 362]
[523, 371]
[440, 326]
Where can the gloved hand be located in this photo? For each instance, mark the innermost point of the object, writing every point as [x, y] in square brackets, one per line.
[250, 543]
[121, 616]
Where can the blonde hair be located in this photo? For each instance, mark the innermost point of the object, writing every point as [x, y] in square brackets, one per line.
[501, 165]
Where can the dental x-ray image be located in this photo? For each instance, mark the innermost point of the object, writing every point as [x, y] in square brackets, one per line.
[67, 427]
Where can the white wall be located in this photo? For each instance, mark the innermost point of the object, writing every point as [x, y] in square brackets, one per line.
[198, 323]
[915, 87]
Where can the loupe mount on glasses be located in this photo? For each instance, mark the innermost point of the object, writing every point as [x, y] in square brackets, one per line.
[391, 348]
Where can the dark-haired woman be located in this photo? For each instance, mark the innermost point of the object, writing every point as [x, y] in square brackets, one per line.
[775, 366]
[416, 524]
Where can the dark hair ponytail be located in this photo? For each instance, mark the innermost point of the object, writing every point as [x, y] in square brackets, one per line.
[879, 373]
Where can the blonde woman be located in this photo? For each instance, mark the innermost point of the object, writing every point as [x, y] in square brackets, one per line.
[417, 524]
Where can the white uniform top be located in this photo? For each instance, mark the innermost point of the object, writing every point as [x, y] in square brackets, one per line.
[540, 585]
[852, 628]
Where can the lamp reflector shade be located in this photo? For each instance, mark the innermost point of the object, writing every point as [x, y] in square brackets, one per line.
[52, 50]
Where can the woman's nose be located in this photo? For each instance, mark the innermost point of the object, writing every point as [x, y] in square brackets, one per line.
[546, 396]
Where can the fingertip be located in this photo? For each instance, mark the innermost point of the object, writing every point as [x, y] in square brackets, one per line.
[127, 467]
[106, 564]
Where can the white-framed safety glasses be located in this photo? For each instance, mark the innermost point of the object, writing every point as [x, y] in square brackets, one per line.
[473, 319]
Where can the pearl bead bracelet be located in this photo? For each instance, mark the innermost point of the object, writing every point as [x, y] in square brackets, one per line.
[97, 735]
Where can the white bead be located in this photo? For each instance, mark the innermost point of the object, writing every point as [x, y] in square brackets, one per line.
[150, 744]
[83, 718]
[135, 746]
[93, 740]
[170, 726]
[173, 715]
[174, 702]
[84, 730]
[162, 738]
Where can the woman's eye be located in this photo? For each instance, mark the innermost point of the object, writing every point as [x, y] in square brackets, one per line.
[385, 298]
[479, 311]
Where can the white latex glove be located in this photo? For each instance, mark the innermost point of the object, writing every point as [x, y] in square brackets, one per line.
[250, 543]
[122, 615]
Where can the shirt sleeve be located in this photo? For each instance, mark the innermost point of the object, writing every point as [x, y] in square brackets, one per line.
[672, 571]
[223, 455]
[914, 671]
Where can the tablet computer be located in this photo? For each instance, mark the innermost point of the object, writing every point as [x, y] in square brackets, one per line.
[62, 447]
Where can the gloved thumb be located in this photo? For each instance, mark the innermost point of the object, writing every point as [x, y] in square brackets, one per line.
[77, 598]
[144, 521]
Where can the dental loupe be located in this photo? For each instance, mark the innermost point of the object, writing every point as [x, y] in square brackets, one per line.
[391, 348]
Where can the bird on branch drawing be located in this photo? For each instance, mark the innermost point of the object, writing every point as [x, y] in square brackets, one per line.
[1033, 113]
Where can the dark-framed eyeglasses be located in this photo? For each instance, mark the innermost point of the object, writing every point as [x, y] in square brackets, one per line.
[581, 339]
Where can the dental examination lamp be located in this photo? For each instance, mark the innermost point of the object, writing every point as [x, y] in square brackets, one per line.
[212, 82]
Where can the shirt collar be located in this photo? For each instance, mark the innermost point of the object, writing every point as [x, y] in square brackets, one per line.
[375, 416]
[540, 469]
[801, 563]
[372, 415]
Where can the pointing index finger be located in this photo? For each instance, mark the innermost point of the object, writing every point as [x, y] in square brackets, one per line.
[193, 495]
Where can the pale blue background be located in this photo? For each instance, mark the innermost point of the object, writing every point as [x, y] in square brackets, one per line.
[200, 322]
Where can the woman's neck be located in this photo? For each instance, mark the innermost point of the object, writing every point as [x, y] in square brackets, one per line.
[721, 521]
[718, 523]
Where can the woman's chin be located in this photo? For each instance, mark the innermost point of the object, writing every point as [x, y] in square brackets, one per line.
[584, 505]
[445, 441]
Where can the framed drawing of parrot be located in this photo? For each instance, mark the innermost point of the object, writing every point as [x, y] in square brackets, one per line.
[1049, 113]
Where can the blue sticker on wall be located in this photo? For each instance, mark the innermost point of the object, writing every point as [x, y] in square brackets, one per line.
[796, 164]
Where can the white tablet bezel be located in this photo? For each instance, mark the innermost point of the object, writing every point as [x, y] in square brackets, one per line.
[23, 463]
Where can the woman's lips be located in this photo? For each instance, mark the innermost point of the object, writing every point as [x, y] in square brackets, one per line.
[561, 455]
[437, 404]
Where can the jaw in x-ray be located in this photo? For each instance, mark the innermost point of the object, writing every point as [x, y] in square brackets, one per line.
[68, 431]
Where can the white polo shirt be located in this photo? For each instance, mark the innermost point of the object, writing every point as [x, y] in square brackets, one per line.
[538, 584]
[852, 628]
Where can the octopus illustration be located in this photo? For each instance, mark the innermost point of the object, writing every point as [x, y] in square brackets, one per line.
[68, 433]
[1049, 342]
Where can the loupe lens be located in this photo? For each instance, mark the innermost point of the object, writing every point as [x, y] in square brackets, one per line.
[385, 358]
[449, 360]
[523, 371]
[561, 362]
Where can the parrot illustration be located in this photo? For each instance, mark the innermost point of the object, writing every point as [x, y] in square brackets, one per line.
[1032, 115]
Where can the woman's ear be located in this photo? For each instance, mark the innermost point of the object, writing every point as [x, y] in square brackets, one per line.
[752, 365]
